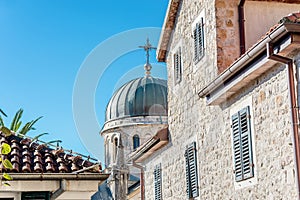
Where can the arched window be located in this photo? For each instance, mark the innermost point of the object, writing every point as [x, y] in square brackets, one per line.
[136, 142]
[115, 148]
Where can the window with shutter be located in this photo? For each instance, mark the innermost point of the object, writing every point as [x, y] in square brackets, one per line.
[198, 34]
[177, 65]
[157, 182]
[242, 145]
[35, 195]
[191, 171]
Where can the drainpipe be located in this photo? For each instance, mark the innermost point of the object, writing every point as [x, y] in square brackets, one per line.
[142, 179]
[294, 108]
[242, 26]
[60, 190]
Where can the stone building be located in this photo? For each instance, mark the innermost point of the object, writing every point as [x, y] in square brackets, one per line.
[233, 75]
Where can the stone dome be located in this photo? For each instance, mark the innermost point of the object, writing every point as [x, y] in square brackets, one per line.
[145, 96]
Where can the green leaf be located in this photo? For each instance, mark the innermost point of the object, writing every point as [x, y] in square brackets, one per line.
[38, 136]
[16, 120]
[5, 149]
[7, 164]
[2, 112]
[18, 125]
[1, 121]
[29, 126]
[7, 176]
[5, 130]
[6, 184]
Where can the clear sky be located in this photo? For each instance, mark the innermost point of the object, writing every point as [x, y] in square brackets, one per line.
[43, 48]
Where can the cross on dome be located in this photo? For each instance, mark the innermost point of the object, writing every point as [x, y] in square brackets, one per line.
[147, 47]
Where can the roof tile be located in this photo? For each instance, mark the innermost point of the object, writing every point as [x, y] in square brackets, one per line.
[31, 157]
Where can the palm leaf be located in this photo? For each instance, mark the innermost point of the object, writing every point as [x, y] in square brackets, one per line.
[16, 120]
[1, 121]
[29, 126]
[38, 136]
[2, 112]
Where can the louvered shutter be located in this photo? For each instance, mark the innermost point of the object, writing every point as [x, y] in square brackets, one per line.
[237, 147]
[157, 182]
[198, 41]
[242, 145]
[191, 171]
[246, 142]
[177, 65]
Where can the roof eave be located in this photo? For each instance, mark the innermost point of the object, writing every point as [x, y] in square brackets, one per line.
[149, 147]
[250, 55]
[59, 176]
[168, 26]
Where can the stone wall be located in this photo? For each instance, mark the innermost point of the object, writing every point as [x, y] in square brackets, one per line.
[190, 119]
[228, 45]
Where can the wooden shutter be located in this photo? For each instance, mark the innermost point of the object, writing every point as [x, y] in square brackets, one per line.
[177, 65]
[191, 171]
[237, 147]
[157, 182]
[242, 145]
[198, 41]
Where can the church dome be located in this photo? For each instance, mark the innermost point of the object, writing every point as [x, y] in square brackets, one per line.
[145, 96]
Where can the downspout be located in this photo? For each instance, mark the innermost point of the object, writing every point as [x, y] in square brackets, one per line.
[142, 179]
[60, 190]
[293, 102]
[242, 26]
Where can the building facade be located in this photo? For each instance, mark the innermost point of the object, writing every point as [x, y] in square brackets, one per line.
[232, 102]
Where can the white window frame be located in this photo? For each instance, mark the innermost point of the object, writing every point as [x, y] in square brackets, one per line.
[236, 108]
[14, 196]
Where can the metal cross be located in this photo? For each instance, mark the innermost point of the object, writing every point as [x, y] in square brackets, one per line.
[147, 47]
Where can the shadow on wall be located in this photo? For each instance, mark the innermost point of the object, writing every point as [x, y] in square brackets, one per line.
[103, 193]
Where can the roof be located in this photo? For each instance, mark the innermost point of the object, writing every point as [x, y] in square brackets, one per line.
[169, 24]
[145, 96]
[243, 70]
[32, 157]
[167, 28]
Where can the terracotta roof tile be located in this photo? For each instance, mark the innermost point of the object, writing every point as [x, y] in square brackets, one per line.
[31, 157]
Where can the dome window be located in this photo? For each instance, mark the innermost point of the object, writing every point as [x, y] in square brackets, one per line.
[136, 142]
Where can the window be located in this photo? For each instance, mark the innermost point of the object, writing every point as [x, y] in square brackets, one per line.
[242, 145]
[35, 196]
[157, 182]
[191, 171]
[177, 63]
[136, 142]
[198, 34]
[115, 149]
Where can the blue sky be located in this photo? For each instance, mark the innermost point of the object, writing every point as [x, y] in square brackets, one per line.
[43, 46]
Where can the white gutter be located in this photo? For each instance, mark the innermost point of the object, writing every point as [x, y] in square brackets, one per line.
[58, 176]
[242, 61]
